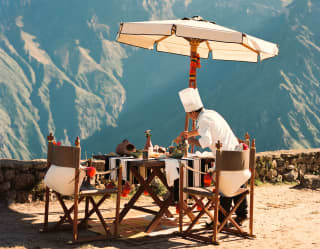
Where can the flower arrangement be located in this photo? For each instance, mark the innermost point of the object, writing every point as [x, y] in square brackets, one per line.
[56, 143]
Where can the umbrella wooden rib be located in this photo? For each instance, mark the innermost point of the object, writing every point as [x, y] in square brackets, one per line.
[208, 45]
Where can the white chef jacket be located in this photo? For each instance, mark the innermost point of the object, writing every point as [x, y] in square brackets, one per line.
[213, 127]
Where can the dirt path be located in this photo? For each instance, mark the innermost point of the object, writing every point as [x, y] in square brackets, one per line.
[285, 217]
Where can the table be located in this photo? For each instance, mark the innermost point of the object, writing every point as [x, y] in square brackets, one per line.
[155, 168]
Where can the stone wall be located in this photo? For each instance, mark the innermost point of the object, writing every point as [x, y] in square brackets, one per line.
[22, 181]
[287, 165]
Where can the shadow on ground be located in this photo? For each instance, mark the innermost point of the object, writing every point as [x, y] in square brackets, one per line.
[20, 225]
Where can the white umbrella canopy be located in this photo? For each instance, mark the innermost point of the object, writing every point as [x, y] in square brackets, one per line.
[176, 36]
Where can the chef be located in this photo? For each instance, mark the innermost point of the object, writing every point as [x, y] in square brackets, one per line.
[211, 127]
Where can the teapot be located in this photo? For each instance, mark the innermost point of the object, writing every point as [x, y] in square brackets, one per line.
[125, 148]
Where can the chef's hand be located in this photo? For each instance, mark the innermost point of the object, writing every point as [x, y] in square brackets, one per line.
[184, 134]
[178, 139]
[188, 134]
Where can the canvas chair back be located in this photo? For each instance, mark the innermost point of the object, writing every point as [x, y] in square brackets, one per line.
[234, 170]
[64, 175]
[232, 160]
[64, 156]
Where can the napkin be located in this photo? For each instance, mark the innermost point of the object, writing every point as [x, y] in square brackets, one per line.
[204, 154]
[171, 167]
[113, 164]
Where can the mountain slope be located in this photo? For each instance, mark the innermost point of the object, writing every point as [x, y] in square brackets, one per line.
[56, 87]
[62, 71]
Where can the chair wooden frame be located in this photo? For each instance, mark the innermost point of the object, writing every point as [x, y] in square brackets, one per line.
[69, 156]
[187, 209]
[199, 194]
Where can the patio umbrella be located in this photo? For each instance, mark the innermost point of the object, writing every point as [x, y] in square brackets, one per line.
[196, 38]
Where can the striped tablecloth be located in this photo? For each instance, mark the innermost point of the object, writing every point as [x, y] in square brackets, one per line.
[191, 179]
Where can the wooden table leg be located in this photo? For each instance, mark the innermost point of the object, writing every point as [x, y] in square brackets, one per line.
[136, 196]
[127, 207]
[164, 205]
[145, 185]
[187, 210]
[155, 221]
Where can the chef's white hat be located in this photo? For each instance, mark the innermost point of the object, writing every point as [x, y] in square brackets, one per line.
[190, 99]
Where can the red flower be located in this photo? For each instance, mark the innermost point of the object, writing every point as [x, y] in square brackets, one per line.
[244, 146]
[91, 171]
[207, 180]
[177, 209]
[199, 208]
[126, 189]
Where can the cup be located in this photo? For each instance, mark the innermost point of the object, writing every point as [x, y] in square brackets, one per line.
[145, 155]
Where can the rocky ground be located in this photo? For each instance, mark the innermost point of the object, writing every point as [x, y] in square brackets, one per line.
[285, 217]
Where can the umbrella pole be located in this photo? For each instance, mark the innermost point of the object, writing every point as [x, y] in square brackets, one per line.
[192, 82]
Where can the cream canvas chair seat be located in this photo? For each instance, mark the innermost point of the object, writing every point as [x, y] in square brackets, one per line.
[61, 179]
[64, 178]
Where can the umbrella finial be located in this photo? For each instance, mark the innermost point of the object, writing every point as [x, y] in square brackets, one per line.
[197, 18]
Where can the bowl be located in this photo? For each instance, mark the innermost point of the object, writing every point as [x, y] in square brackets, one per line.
[177, 154]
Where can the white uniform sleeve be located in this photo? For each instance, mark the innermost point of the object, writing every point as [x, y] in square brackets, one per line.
[206, 137]
[204, 129]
